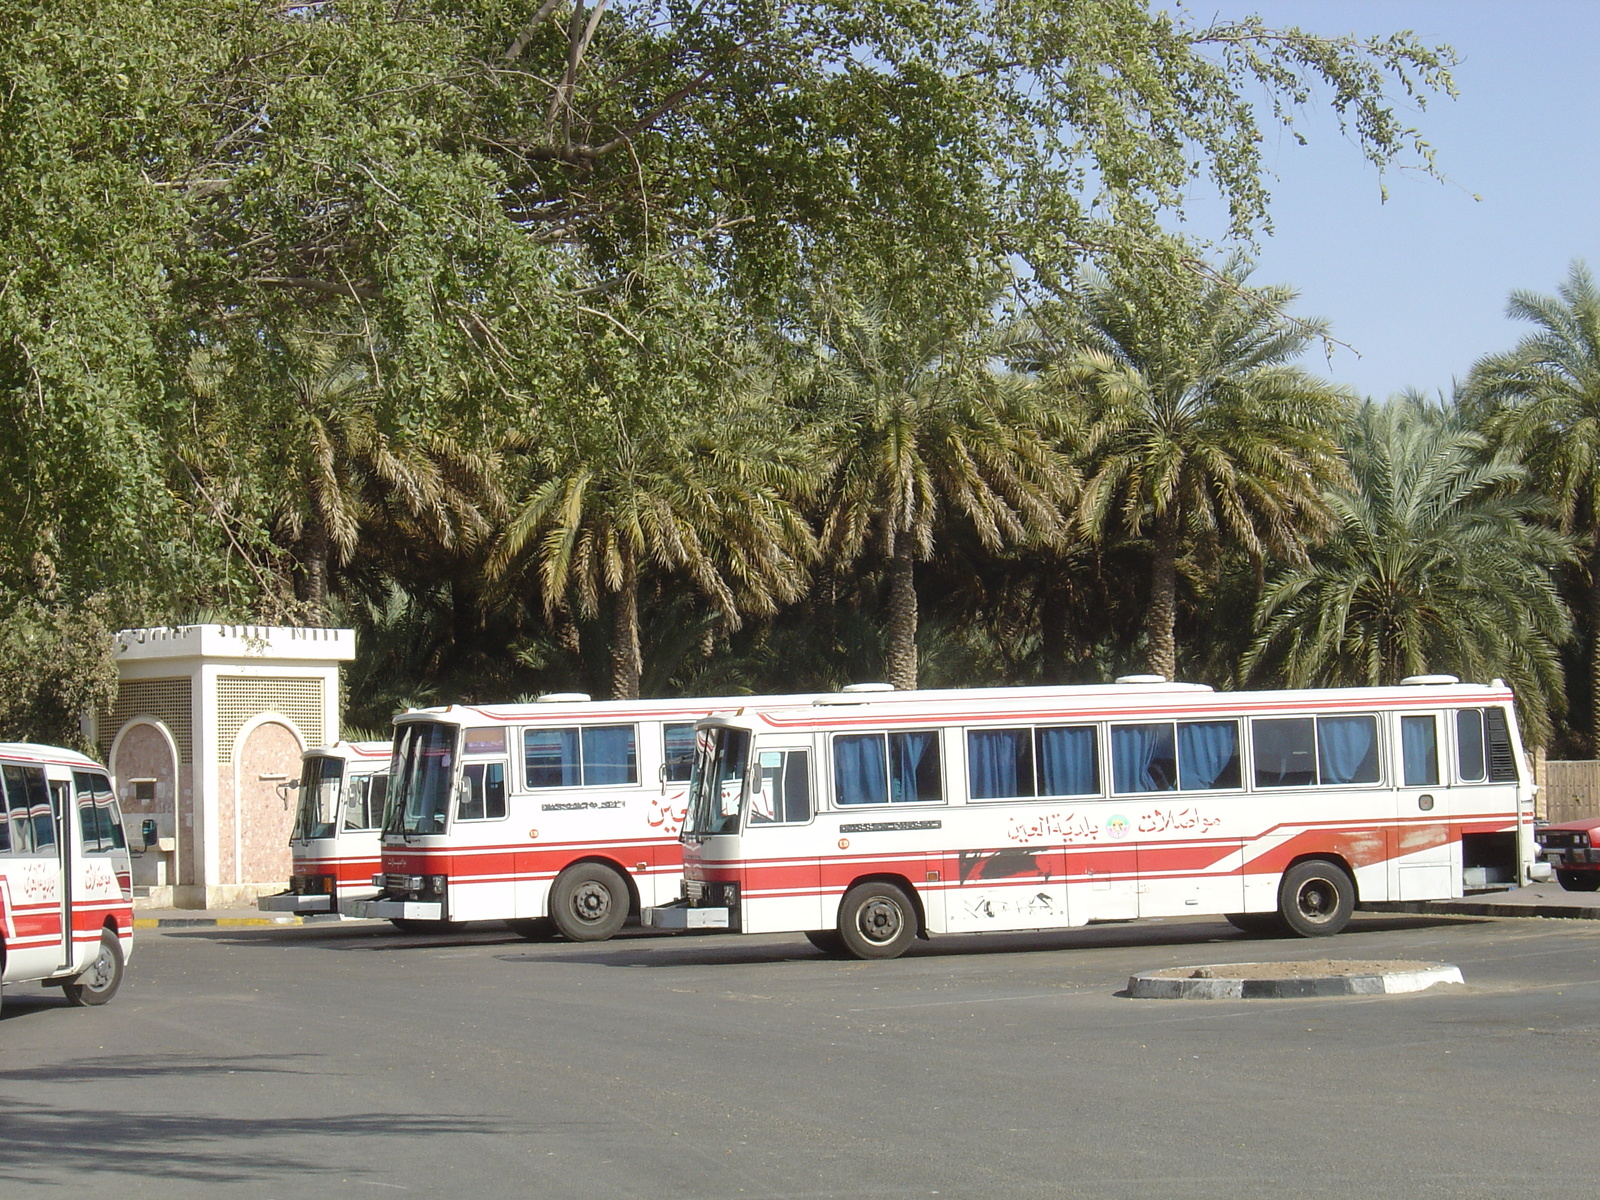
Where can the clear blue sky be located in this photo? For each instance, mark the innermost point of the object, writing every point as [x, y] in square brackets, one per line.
[1417, 285]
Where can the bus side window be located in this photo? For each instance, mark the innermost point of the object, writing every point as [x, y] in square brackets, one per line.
[483, 791]
[1419, 746]
[1469, 745]
[99, 819]
[783, 788]
[21, 829]
[29, 794]
[677, 752]
[377, 795]
[355, 802]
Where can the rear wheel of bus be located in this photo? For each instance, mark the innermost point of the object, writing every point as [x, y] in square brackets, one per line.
[876, 920]
[1316, 898]
[588, 902]
[104, 976]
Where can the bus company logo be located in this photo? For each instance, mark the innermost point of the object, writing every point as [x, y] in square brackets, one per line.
[1117, 827]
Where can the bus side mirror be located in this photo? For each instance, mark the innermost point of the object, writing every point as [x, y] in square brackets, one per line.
[147, 832]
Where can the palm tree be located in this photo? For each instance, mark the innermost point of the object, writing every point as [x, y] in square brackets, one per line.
[1439, 562]
[1541, 400]
[920, 424]
[638, 483]
[310, 450]
[1199, 430]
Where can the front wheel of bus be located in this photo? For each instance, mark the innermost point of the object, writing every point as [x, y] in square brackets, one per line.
[876, 920]
[588, 902]
[1578, 881]
[1316, 898]
[104, 976]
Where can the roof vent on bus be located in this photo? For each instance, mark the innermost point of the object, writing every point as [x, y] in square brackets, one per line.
[562, 698]
[1429, 679]
[1141, 679]
[867, 687]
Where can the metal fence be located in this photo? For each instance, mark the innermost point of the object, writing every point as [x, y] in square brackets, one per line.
[1571, 790]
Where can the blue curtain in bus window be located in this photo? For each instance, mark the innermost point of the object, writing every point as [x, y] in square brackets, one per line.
[1419, 747]
[1347, 749]
[1068, 764]
[1208, 755]
[1469, 744]
[1143, 758]
[550, 757]
[860, 769]
[914, 762]
[608, 756]
[998, 764]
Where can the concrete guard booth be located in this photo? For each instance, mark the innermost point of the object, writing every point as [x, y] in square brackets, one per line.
[209, 721]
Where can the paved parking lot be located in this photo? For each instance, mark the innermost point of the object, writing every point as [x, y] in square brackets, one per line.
[349, 1060]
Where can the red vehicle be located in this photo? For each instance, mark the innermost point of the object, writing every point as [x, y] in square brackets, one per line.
[1569, 848]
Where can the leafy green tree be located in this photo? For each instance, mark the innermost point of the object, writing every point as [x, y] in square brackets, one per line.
[1541, 402]
[1200, 431]
[1441, 560]
[920, 426]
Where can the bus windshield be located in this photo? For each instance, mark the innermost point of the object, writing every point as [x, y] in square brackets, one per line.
[317, 815]
[420, 791]
[716, 785]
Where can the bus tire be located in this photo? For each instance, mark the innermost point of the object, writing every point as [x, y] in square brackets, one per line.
[1256, 924]
[1316, 898]
[826, 940]
[588, 902]
[876, 920]
[100, 982]
[1578, 881]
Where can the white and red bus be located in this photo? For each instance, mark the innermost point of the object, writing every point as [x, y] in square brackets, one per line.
[66, 887]
[338, 828]
[867, 827]
[560, 815]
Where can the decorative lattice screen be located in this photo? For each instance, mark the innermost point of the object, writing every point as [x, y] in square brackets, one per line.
[241, 698]
[168, 700]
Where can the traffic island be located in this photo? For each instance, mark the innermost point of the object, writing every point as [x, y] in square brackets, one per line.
[1290, 980]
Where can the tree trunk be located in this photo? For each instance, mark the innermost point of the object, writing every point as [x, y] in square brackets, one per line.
[902, 618]
[315, 551]
[1594, 654]
[1053, 620]
[627, 664]
[1161, 652]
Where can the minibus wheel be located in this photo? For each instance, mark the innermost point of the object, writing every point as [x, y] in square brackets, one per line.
[876, 920]
[1316, 898]
[588, 902]
[100, 982]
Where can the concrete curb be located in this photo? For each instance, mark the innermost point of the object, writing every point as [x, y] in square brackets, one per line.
[1225, 981]
[1486, 908]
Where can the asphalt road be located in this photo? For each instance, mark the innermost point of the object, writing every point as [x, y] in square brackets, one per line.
[340, 1061]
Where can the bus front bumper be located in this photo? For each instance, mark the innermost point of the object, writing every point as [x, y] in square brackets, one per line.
[681, 916]
[388, 910]
[290, 902]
